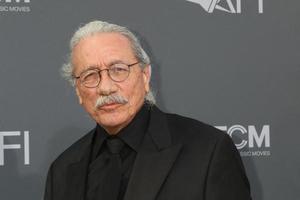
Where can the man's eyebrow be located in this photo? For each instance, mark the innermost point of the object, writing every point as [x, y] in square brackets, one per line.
[117, 61]
[90, 67]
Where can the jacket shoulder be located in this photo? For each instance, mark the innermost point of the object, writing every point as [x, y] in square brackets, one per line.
[190, 127]
[192, 132]
[76, 150]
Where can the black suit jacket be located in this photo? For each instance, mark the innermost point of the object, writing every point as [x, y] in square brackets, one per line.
[180, 159]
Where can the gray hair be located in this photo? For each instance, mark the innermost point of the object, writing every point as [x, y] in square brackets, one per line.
[95, 27]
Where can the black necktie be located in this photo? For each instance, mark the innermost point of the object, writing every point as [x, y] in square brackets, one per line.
[112, 182]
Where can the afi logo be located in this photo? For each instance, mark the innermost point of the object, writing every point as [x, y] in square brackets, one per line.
[211, 5]
[249, 137]
[17, 1]
[4, 146]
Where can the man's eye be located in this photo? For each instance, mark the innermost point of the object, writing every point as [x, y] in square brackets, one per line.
[90, 76]
[118, 69]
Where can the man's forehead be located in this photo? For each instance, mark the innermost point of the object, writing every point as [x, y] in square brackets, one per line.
[102, 49]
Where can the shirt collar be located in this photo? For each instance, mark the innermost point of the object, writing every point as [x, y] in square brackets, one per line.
[135, 131]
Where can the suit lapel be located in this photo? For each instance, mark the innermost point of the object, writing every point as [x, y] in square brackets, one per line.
[154, 160]
[76, 176]
[77, 172]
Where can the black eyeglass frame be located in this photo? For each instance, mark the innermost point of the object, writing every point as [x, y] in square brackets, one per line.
[108, 72]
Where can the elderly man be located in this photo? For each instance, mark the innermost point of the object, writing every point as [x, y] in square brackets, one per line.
[136, 151]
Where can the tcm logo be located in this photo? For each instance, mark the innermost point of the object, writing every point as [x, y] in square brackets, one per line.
[250, 136]
[17, 1]
[225, 5]
[24, 146]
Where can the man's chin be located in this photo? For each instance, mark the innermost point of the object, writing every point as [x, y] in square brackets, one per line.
[112, 127]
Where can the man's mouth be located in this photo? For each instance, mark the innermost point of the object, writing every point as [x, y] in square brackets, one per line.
[109, 106]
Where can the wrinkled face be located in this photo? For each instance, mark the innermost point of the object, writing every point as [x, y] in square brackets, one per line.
[101, 51]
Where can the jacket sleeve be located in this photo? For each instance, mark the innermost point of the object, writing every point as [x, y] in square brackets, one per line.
[226, 177]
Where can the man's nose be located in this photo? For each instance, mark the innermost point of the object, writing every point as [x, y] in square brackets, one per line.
[106, 85]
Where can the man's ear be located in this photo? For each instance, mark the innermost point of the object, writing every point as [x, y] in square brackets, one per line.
[147, 77]
[78, 95]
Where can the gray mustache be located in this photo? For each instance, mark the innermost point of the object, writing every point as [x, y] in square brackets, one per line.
[102, 100]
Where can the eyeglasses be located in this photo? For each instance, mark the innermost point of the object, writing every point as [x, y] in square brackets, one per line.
[117, 72]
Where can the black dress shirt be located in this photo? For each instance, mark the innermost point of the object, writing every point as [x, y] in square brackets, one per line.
[132, 136]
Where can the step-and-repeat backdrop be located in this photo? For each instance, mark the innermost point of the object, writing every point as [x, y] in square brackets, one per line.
[234, 64]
